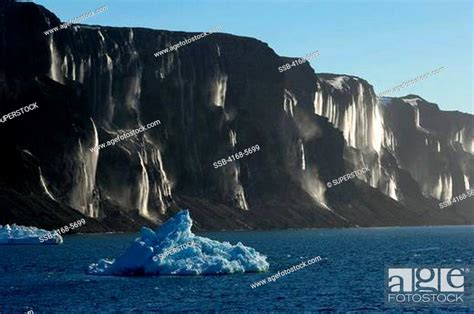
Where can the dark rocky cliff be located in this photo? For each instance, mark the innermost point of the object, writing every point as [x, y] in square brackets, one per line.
[214, 97]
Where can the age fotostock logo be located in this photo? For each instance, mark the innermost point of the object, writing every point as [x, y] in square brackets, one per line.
[425, 285]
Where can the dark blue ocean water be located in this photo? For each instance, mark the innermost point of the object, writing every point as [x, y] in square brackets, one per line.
[351, 277]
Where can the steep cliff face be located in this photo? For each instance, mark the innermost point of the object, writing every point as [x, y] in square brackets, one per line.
[385, 135]
[401, 140]
[214, 97]
[441, 143]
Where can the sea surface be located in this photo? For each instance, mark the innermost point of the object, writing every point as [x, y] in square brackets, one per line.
[350, 278]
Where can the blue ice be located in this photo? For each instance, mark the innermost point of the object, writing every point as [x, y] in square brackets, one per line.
[173, 249]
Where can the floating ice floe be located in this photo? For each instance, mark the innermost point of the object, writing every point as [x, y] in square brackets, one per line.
[167, 251]
[27, 235]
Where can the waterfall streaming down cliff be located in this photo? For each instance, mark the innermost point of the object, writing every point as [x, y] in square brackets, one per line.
[467, 185]
[240, 196]
[69, 71]
[314, 187]
[44, 185]
[389, 141]
[349, 124]
[238, 190]
[325, 106]
[92, 161]
[360, 120]
[218, 89]
[417, 116]
[232, 138]
[379, 135]
[391, 188]
[303, 161]
[319, 102]
[289, 102]
[108, 87]
[162, 187]
[83, 196]
[414, 103]
[444, 187]
[143, 190]
[54, 70]
[375, 174]
[465, 138]
[133, 91]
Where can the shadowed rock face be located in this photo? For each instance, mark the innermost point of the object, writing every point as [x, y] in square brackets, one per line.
[214, 97]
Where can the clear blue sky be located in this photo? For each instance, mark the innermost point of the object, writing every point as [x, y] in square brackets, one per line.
[383, 41]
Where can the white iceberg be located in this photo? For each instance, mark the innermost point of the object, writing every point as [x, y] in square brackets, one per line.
[174, 250]
[27, 235]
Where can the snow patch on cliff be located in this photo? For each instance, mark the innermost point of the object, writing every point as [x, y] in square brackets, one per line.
[339, 82]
